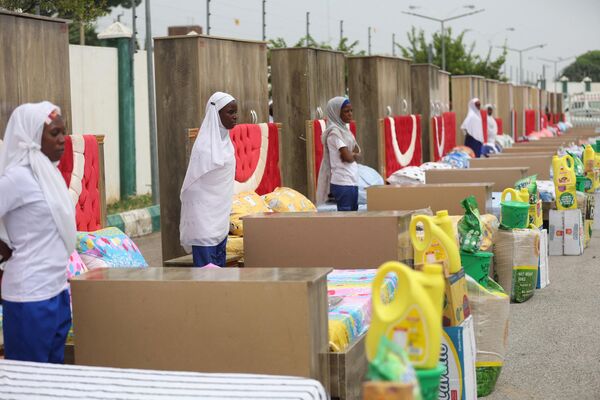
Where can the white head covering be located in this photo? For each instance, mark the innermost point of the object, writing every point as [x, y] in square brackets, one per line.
[213, 140]
[472, 123]
[22, 146]
[336, 127]
[492, 126]
[206, 197]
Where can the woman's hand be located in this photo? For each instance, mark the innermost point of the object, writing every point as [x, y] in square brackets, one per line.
[5, 251]
[357, 154]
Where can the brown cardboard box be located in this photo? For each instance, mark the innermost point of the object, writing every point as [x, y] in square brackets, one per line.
[539, 165]
[268, 321]
[501, 177]
[533, 153]
[328, 239]
[439, 196]
[525, 150]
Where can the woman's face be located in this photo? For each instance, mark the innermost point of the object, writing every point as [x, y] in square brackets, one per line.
[477, 105]
[228, 115]
[53, 139]
[346, 113]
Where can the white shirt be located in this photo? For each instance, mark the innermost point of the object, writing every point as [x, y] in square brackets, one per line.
[492, 129]
[206, 205]
[342, 173]
[37, 269]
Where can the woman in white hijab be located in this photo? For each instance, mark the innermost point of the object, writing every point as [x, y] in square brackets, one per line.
[338, 174]
[37, 235]
[472, 127]
[207, 192]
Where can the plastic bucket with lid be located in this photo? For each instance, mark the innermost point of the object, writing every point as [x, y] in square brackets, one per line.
[429, 381]
[514, 214]
[477, 265]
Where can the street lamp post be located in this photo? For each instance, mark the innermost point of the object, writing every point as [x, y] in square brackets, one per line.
[442, 21]
[521, 51]
[555, 62]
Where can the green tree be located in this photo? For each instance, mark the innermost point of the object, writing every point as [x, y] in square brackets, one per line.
[345, 46]
[82, 12]
[460, 59]
[585, 65]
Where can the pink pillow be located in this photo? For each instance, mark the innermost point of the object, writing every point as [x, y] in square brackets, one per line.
[75, 266]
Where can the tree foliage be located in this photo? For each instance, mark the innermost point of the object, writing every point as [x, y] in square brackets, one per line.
[82, 12]
[344, 45]
[585, 65]
[460, 59]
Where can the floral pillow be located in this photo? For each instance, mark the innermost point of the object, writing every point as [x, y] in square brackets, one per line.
[109, 248]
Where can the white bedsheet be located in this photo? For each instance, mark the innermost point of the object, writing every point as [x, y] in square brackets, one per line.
[25, 380]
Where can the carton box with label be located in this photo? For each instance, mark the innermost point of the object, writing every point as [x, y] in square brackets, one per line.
[458, 356]
[566, 234]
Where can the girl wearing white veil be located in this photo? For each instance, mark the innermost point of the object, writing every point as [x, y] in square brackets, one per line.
[338, 174]
[37, 235]
[207, 191]
[472, 127]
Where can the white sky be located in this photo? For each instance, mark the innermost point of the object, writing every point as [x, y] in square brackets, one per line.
[567, 27]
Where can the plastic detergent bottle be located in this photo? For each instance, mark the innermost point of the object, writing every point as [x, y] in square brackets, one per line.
[564, 182]
[413, 318]
[522, 195]
[589, 167]
[435, 252]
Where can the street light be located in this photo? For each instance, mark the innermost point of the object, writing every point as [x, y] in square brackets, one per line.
[521, 51]
[442, 21]
[555, 62]
[490, 37]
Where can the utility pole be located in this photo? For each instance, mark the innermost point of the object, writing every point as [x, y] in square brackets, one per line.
[369, 40]
[442, 21]
[341, 30]
[151, 109]
[521, 51]
[208, 17]
[394, 44]
[307, 27]
[264, 20]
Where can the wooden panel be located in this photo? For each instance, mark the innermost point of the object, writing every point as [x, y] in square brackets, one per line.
[302, 79]
[552, 102]
[464, 88]
[520, 101]
[505, 105]
[347, 371]
[189, 69]
[374, 84]
[534, 98]
[430, 87]
[34, 62]
[492, 94]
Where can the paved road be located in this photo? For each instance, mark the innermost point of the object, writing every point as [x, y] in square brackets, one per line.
[554, 339]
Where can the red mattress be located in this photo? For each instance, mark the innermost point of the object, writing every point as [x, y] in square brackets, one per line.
[500, 126]
[257, 157]
[530, 117]
[402, 142]
[80, 167]
[484, 123]
[443, 135]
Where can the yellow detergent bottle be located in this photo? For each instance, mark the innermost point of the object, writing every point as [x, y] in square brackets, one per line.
[522, 195]
[589, 167]
[564, 182]
[435, 253]
[413, 318]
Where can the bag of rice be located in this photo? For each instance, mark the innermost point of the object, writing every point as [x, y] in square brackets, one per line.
[245, 203]
[285, 199]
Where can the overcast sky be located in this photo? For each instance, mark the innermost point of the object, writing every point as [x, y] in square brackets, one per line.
[568, 27]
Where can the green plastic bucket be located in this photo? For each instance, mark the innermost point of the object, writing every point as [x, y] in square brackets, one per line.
[429, 381]
[477, 265]
[514, 214]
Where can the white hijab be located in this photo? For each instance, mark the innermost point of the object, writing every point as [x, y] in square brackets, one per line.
[472, 123]
[22, 146]
[336, 127]
[211, 147]
[492, 126]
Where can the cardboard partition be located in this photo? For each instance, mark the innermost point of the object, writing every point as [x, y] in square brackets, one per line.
[327, 239]
[435, 196]
[500, 177]
[539, 165]
[526, 150]
[532, 153]
[219, 320]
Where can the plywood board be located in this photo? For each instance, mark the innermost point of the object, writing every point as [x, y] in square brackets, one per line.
[520, 101]
[491, 94]
[505, 105]
[377, 85]
[500, 177]
[302, 80]
[538, 165]
[34, 62]
[189, 69]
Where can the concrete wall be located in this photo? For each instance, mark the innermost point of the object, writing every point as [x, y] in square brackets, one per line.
[95, 109]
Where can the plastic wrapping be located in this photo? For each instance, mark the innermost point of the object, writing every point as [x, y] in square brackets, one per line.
[469, 227]
[490, 309]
